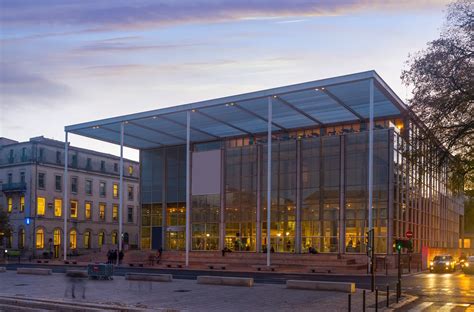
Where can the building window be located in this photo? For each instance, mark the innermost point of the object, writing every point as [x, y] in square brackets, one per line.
[114, 238]
[114, 212]
[101, 238]
[115, 167]
[88, 210]
[102, 165]
[41, 154]
[57, 183]
[130, 214]
[102, 211]
[22, 203]
[57, 237]
[22, 177]
[130, 170]
[21, 238]
[41, 180]
[130, 192]
[74, 184]
[115, 190]
[41, 205]
[10, 178]
[89, 164]
[87, 240]
[73, 209]
[73, 239]
[11, 158]
[39, 239]
[58, 157]
[89, 187]
[9, 204]
[58, 206]
[102, 190]
[23, 154]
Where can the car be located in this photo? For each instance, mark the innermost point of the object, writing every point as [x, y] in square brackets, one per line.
[443, 263]
[468, 267]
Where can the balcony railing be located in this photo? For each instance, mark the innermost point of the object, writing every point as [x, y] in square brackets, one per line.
[13, 187]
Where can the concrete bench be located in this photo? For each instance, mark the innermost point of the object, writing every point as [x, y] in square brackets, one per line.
[77, 273]
[225, 280]
[170, 265]
[149, 277]
[319, 285]
[34, 271]
[319, 270]
[265, 267]
[70, 262]
[217, 266]
[3, 269]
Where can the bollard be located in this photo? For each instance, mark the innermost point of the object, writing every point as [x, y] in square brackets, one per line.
[386, 269]
[388, 296]
[349, 303]
[363, 300]
[398, 291]
[376, 299]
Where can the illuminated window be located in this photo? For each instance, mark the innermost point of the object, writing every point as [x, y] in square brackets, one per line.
[41, 205]
[115, 190]
[87, 239]
[73, 239]
[115, 212]
[73, 209]
[57, 237]
[114, 238]
[130, 170]
[87, 210]
[9, 204]
[102, 211]
[39, 239]
[22, 203]
[101, 239]
[58, 206]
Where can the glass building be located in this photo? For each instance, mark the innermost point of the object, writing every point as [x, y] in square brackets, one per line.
[211, 170]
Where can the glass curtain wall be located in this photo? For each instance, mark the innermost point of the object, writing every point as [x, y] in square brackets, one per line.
[205, 219]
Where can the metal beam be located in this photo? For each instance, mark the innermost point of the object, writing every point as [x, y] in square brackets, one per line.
[371, 161]
[132, 136]
[192, 128]
[122, 130]
[157, 131]
[258, 116]
[269, 178]
[223, 122]
[288, 104]
[65, 195]
[340, 102]
[188, 185]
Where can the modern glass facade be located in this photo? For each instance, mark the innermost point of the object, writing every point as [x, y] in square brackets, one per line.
[319, 193]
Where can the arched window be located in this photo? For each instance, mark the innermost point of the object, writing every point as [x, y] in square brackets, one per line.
[73, 239]
[39, 239]
[114, 238]
[57, 237]
[101, 238]
[21, 238]
[87, 239]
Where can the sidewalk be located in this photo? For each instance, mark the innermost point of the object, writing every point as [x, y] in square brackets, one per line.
[187, 295]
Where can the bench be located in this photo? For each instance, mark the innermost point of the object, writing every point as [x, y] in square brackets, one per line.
[265, 267]
[320, 285]
[319, 270]
[225, 280]
[170, 265]
[70, 262]
[149, 277]
[137, 264]
[42, 261]
[217, 266]
[34, 271]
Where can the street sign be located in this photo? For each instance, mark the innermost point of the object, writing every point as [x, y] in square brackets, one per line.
[409, 234]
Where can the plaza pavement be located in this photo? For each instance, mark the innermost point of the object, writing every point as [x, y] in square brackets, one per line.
[184, 295]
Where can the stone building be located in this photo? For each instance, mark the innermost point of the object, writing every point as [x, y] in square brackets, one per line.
[31, 184]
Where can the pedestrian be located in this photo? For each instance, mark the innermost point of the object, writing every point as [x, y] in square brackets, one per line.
[75, 280]
[121, 256]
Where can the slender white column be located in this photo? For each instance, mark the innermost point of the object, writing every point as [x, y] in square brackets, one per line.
[188, 184]
[269, 177]
[65, 195]
[371, 156]
[122, 127]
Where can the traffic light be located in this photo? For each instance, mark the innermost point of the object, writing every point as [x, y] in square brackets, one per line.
[403, 243]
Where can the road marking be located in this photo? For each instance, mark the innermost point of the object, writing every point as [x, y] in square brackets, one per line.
[421, 307]
[449, 306]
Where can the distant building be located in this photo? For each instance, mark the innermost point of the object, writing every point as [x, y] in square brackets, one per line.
[31, 184]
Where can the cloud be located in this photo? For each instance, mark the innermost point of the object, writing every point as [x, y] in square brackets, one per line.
[109, 45]
[18, 86]
[120, 14]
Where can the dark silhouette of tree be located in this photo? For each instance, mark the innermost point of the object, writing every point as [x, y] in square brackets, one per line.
[5, 229]
[442, 79]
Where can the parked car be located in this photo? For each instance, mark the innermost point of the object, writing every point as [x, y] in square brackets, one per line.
[468, 267]
[443, 263]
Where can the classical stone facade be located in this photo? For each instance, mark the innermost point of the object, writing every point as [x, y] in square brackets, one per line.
[31, 179]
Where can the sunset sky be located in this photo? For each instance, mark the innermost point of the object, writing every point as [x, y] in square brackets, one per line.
[66, 62]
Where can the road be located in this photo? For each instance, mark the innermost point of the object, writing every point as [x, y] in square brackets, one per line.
[440, 292]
